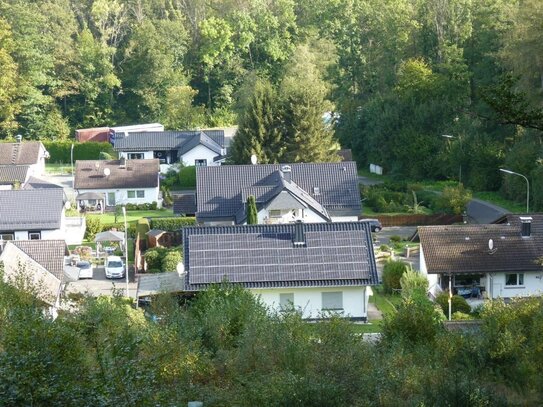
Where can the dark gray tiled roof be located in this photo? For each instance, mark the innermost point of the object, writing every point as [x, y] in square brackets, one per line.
[264, 256]
[222, 190]
[9, 174]
[89, 174]
[24, 153]
[169, 140]
[49, 253]
[465, 248]
[31, 209]
[184, 204]
[36, 183]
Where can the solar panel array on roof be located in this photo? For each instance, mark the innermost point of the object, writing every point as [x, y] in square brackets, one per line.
[265, 254]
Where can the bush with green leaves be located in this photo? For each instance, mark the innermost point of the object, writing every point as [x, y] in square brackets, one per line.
[171, 260]
[60, 151]
[94, 226]
[187, 177]
[458, 303]
[392, 273]
[454, 199]
[395, 238]
[153, 259]
[172, 224]
[413, 283]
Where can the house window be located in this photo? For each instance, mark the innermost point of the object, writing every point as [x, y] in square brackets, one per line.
[275, 213]
[200, 163]
[34, 235]
[7, 236]
[135, 156]
[332, 301]
[131, 194]
[516, 279]
[286, 301]
[140, 193]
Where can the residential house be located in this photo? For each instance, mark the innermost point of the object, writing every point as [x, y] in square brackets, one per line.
[29, 153]
[107, 134]
[32, 214]
[118, 181]
[199, 147]
[13, 175]
[490, 261]
[284, 193]
[36, 263]
[314, 267]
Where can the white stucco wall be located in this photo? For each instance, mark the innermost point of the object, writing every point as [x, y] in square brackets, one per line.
[121, 195]
[344, 218]
[533, 285]
[432, 278]
[199, 152]
[309, 300]
[309, 216]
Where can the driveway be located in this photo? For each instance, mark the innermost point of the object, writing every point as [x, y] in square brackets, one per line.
[383, 237]
[100, 285]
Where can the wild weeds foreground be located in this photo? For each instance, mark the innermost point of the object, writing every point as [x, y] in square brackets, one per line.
[226, 349]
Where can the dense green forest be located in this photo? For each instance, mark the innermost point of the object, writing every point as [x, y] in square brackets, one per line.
[396, 75]
[226, 349]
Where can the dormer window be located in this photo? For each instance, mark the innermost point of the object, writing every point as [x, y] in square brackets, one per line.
[316, 191]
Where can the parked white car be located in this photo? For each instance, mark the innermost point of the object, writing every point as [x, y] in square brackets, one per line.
[85, 269]
[114, 267]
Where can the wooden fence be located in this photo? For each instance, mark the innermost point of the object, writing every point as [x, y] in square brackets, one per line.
[417, 220]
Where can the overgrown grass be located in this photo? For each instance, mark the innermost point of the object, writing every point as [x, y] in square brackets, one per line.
[385, 303]
[496, 199]
[58, 168]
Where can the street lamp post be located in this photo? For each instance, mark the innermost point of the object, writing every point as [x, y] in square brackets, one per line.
[449, 137]
[72, 162]
[126, 250]
[527, 186]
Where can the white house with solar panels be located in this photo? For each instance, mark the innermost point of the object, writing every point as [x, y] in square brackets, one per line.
[284, 193]
[318, 268]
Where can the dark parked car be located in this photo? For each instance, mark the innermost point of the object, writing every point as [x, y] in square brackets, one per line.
[374, 224]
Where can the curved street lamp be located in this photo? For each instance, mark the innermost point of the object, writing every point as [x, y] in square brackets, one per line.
[449, 137]
[527, 186]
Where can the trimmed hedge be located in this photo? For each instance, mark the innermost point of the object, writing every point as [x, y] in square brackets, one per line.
[458, 303]
[172, 224]
[60, 151]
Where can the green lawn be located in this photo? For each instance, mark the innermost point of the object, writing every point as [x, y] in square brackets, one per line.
[132, 216]
[386, 303]
[58, 168]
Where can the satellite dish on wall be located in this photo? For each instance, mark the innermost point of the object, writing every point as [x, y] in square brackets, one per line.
[107, 171]
[490, 244]
[253, 159]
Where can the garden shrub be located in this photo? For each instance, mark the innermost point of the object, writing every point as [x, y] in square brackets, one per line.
[94, 226]
[153, 259]
[187, 177]
[60, 151]
[172, 224]
[392, 273]
[458, 303]
[454, 199]
[413, 282]
[167, 199]
[395, 238]
[171, 260]
[384, 248]
[142, 207]
[461, 316]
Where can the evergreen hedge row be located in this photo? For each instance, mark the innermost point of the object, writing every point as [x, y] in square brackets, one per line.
[59, 151]
[172, 224]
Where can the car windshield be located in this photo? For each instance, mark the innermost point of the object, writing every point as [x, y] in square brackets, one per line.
[115, 264]
[83, 265]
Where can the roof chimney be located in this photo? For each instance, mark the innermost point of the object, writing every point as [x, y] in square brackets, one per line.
[526, 226]
[299, 235]
[287, 172]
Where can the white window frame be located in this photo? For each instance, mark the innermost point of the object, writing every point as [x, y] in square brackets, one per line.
[286, 301]
[7, 236]
[38, 234]
[200, 162]
[140, 193]
[330, 301]
[519, 279]
[136, 156]
[131, 192]
[275, 213]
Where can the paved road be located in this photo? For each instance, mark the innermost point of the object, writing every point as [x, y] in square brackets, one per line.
[483, 212]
